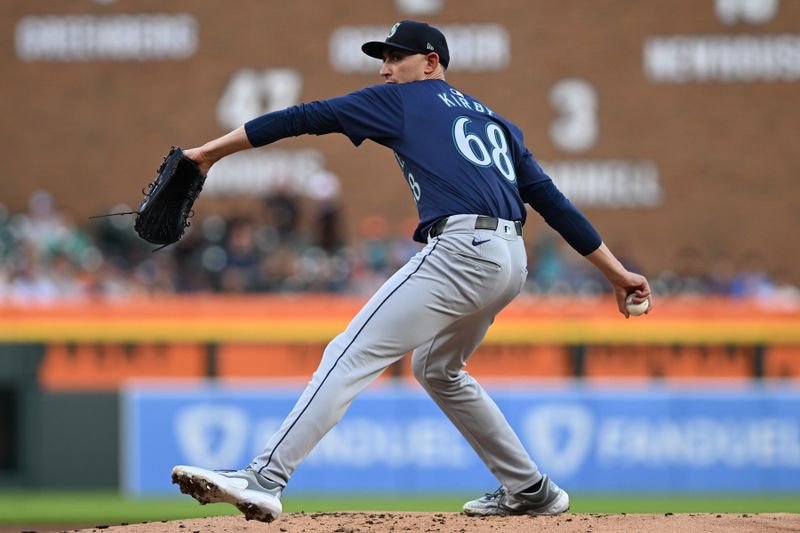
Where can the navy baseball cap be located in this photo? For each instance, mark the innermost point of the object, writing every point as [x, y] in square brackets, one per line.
[412, 36]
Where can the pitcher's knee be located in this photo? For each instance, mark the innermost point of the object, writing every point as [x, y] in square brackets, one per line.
[431, 377]
[418, 368]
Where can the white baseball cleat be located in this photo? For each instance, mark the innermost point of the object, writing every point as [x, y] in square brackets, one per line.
[255, 496]
[548, 500]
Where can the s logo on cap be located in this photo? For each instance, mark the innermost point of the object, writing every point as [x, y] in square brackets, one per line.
[394, 29]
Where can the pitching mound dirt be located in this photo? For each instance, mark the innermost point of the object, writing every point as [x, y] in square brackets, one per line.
[453, 522]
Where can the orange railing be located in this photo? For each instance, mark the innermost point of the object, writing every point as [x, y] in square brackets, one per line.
[102, 344]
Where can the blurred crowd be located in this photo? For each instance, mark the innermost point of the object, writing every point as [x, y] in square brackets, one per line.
[45, 255]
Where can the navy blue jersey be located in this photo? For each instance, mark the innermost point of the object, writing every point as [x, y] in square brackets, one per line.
[457, 155]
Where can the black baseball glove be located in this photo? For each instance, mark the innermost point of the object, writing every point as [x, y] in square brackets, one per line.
[166, 208]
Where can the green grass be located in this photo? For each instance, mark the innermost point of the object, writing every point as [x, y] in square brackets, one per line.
[110, 508]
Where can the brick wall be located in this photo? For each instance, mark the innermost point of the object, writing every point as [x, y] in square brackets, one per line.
[93, 131]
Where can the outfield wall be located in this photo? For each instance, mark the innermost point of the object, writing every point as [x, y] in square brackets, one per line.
[63, 369]
[101, 345]
[394, 439]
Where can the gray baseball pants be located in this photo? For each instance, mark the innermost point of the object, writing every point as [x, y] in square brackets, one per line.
[440, 304]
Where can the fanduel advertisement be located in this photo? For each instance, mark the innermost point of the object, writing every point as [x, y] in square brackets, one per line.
[395, 439]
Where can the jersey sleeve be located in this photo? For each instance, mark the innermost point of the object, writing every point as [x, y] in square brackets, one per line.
[528, 170]
[538, 190]
[314, 117]
[374, 113]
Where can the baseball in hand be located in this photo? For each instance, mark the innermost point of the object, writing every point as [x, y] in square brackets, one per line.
[636, 309]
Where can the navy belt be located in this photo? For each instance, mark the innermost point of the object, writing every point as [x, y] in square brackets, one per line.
[481, 222]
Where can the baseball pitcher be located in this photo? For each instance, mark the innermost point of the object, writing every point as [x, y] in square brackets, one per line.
[469, 173]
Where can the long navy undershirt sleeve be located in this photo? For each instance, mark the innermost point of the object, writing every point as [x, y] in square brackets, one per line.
[314, 117]
[562, 216]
